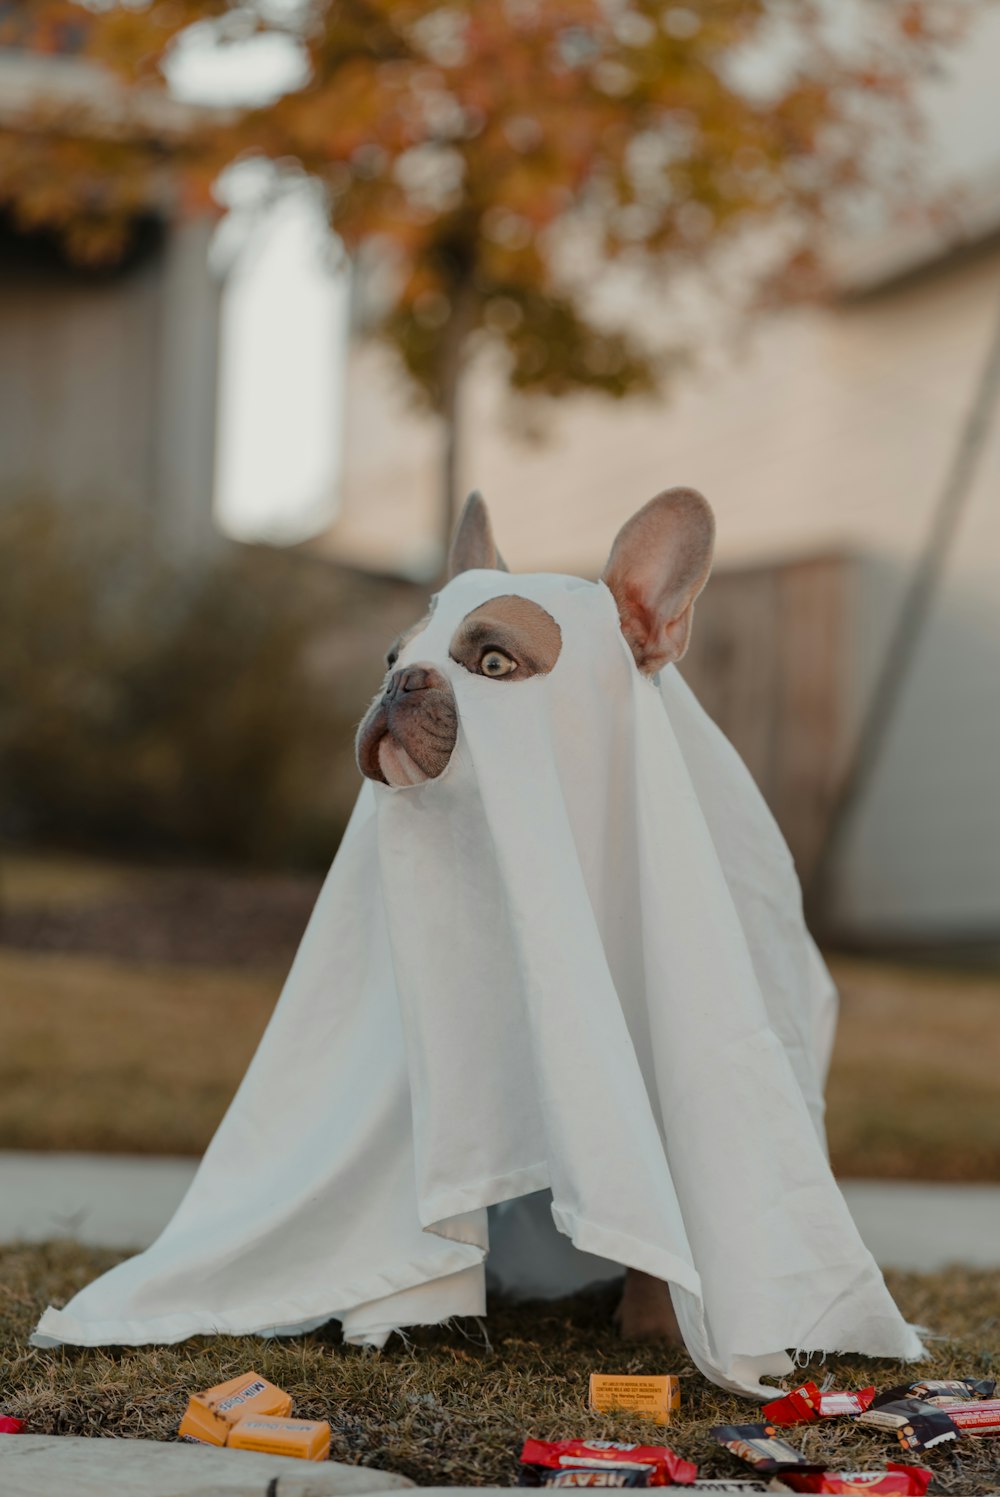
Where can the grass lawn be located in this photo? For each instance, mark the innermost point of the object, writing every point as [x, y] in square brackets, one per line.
[913, 1089]
[110, 1054]
[447, 1408]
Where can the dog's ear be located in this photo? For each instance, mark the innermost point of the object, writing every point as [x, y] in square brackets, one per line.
[472, 544]
[658, 565]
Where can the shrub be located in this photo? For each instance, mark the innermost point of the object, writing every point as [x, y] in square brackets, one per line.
[155, 706]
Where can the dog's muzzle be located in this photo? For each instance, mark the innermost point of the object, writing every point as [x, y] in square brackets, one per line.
[409, 732]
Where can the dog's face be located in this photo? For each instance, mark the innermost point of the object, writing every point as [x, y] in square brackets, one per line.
[410, 730]
[658, 565]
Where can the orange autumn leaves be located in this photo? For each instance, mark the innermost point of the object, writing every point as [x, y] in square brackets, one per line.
[495, 154]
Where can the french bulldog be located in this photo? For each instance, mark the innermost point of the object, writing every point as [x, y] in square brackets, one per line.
[659, 563]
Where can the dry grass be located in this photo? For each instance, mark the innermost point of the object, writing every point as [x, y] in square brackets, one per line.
[114, 1055]
[39, 880]
[107, 1055]
[446, 1408]
[913, 1085]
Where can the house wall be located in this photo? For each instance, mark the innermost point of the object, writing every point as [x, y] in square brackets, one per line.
[765, 662]
[830, 431]
[921, 859]
[107, 380]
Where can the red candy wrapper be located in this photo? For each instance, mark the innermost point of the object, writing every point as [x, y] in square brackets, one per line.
[585, 1476]
[664, 1466]
[975, 1418]
[11, 1426]
[894, 1481]
[807, 1403]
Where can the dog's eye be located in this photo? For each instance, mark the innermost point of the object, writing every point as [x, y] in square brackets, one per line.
[391, 656]
[495, 663]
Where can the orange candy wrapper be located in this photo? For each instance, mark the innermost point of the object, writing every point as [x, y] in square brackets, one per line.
[309, 1439]
[249, 1413]
[654, 1397]
[211, 1415]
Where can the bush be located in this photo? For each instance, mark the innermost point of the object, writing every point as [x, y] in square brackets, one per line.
[158, 707]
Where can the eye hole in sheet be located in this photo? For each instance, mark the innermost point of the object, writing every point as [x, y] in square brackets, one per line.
[515, 627]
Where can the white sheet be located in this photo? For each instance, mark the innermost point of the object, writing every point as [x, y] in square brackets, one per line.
[574, 962]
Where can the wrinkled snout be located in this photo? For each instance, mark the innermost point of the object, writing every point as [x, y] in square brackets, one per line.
[410, 729]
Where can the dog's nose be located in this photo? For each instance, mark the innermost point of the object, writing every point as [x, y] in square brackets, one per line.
[407, 678]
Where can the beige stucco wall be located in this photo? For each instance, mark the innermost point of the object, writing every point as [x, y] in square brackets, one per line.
[107, 383]
[831, 430]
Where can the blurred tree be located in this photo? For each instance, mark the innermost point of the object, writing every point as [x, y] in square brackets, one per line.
[491, 157]
[82, 156]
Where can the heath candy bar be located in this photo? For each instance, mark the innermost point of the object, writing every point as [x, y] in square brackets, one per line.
[760, 1447]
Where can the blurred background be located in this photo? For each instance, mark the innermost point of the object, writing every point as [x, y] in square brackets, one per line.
[281, 280]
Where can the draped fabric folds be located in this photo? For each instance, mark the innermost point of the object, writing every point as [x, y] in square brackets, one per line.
[574, 963]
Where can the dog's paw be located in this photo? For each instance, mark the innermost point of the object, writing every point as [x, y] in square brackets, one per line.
[645, 1312]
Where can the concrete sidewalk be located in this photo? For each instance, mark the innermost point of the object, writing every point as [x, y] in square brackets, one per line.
[124, 1201]
[103, 1200]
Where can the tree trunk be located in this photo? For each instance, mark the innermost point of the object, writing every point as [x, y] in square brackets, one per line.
[449, 496]
[453, 351]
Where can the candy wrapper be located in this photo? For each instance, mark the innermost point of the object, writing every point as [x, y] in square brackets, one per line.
[210, 1416]
[918, 1426]
[308, 1439]
[585, 1476]
[10, 1426]
[662, 1466]
[738, 1484]
[655, 1397]
[758, 1445]
[805, 1404]
[944, 1390]
[894, 1481]
[976, 1418]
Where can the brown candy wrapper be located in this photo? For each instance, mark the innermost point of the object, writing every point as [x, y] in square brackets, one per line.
[917, 1425]
[760, 1447]
[735, 1484]
[940, 1391]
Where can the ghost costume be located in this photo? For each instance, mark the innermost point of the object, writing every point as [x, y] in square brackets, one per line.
[572, 970]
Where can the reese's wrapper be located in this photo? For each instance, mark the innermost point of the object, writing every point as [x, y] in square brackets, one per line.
[664, 1465]
[759, 1446]
[917, 1425]
[805, 1404]
[894, 1481]
[954, 1390]
[585, 1476]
